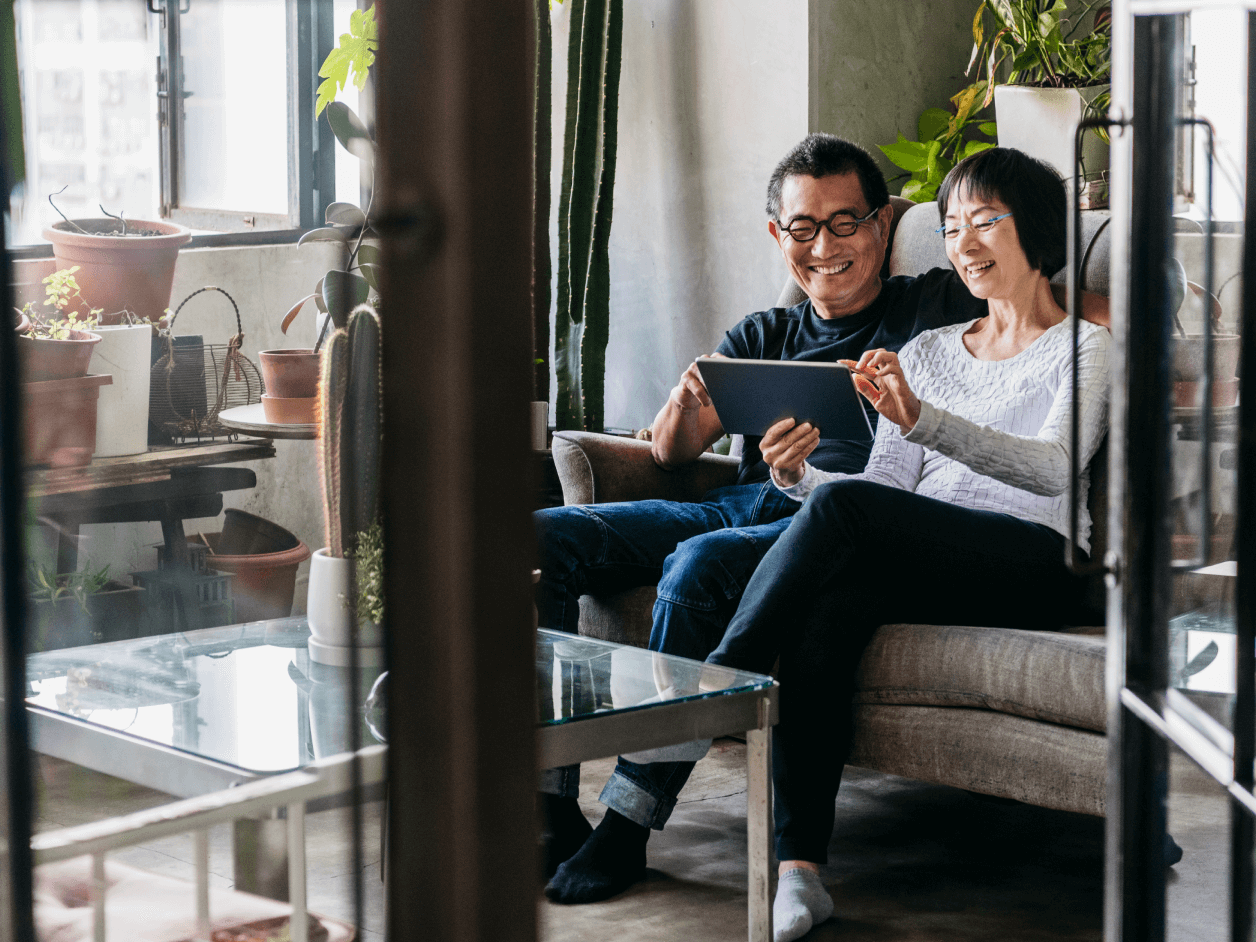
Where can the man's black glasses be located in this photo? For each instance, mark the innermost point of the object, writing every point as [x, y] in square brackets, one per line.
[804, 230]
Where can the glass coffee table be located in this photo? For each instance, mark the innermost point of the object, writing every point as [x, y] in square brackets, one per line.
[199, 711]
[599, 699]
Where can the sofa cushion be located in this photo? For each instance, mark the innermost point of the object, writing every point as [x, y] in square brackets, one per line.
[1042, 675]
[991, 753]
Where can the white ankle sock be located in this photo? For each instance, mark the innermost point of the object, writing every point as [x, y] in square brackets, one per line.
[801, 902]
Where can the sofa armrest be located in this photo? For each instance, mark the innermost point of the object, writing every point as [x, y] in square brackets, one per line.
[599, 469]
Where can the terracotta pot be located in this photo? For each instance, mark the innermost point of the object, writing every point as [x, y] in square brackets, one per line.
[60, 420]
[45, 359]
[116, 273]
[290, 374]
[1225, 392]
[262, 584]
[1188, 357]
[289, 411]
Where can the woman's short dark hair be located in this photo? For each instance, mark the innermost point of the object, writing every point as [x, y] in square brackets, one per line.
[1031, 189]
[823, 155]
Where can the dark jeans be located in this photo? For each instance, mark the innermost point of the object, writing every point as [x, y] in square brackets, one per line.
[700, 555]
[859, 555]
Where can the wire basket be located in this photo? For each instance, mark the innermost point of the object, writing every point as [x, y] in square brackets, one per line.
[193, 381]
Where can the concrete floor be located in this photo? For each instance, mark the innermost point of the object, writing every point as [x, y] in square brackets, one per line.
[908, 862]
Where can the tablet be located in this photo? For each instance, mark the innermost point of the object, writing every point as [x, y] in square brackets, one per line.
[750, 396]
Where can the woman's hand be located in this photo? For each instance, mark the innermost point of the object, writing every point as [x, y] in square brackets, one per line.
[785, 447]
[889, 394]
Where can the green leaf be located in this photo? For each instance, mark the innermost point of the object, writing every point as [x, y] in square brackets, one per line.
[345, 214]
[353, 56]
[370, 254]
[988, 127]
[931, 160]
[976, 147]
[371, 274]
[933, 121]
[910, 155]
[342, 292]
[350, 131]
[325, 234]
[918, 191]
[1025, 60]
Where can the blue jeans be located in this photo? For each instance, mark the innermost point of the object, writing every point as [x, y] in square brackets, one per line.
[700, 555]
[859, 555]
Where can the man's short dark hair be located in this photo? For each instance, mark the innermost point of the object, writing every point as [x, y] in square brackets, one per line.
[1031, 189]
[823, 155]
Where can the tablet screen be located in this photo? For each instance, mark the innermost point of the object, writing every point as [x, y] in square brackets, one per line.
[750, 396]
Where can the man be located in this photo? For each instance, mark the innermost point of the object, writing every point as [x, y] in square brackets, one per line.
[828, 210]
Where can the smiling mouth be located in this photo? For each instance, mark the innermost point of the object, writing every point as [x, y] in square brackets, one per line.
[831, 269]
[979, 267]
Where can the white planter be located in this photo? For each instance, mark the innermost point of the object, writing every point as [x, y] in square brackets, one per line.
[122, 411]
[1041, 122]
[330, 615]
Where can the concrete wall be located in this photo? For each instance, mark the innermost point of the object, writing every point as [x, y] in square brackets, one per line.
[712, 93]
[875, 66]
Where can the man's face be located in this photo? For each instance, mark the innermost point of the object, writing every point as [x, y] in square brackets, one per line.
[841, 274]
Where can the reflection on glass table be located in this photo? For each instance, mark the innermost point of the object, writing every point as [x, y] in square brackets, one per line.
[236, 702]
[580, 677]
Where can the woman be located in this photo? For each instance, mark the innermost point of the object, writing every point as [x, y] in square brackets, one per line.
[961, 515]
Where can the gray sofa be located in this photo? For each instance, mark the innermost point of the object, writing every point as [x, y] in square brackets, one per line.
[1015, 714]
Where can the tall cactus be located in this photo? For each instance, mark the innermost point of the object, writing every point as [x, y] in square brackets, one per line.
[582, 323]
[351, 426]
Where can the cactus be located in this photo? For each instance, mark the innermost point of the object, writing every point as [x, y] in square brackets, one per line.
[586, 197]
[350, 428]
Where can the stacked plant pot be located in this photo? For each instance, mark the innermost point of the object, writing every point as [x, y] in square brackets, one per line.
[59, 398]
[291, 378]
[1188, 358]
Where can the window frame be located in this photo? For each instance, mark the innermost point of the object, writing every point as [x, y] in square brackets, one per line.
[311, 144]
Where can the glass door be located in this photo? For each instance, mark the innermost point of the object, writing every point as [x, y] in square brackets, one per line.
[1180, 614]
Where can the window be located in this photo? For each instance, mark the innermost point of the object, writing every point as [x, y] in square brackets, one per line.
[200, 111]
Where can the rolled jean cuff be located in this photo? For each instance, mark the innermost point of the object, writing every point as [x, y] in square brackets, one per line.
[563, 781]
[637, 802]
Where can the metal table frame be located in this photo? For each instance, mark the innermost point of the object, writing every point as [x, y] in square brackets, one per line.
[753, 712]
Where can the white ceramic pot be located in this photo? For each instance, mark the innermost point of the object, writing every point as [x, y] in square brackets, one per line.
[330, 615]
[1041, 122]
[122, 411]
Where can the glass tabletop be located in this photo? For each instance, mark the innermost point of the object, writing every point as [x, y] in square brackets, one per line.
[580, 677]
[250, 697]
[245, 695]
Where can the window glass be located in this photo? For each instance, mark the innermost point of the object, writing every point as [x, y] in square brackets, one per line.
[349, 179]
[236, 117]
[89, 109]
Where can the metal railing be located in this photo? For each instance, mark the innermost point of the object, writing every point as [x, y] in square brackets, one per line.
[331, 776]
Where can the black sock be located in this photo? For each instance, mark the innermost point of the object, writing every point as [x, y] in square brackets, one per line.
[564, 830]
[611, 860]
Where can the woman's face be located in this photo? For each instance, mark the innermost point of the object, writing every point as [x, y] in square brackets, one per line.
[992, 263]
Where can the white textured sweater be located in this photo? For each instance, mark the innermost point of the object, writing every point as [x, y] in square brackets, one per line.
[993, 434]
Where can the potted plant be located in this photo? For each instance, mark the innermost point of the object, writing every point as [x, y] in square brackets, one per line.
[291, 374]
[124, 264]
[946, 137]
[350, 427]
[1058, 74]
[76, 608]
